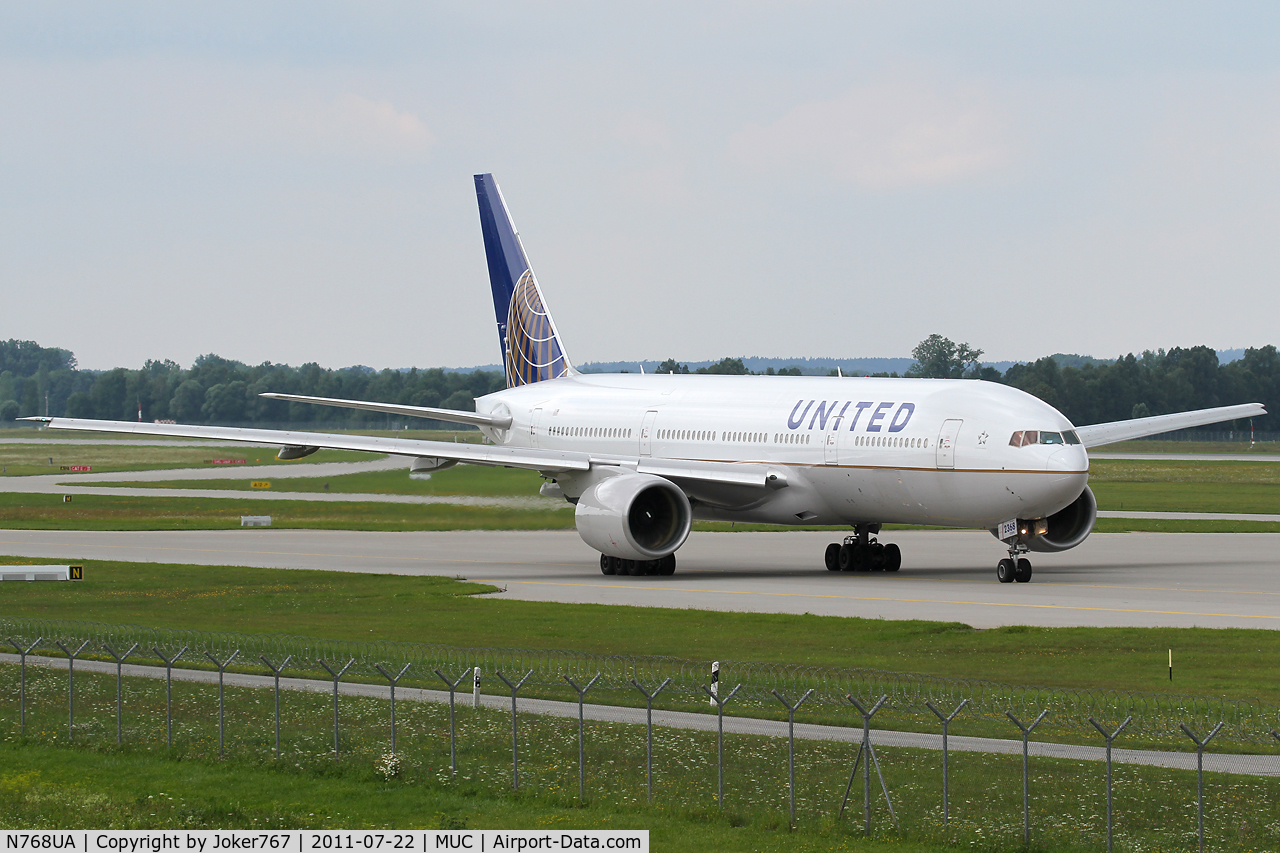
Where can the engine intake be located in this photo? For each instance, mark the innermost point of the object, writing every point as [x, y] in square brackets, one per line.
[634, 516]
[1066, 528]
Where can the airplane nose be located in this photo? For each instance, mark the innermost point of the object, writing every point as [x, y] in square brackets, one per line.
[1067, 459]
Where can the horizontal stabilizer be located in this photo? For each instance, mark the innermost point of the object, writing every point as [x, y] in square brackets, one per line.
[453, 416]
[1097, 435]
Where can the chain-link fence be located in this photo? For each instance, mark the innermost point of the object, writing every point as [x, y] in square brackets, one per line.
[1011, 764]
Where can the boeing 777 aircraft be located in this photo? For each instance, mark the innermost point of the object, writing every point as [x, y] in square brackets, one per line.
[641, 456]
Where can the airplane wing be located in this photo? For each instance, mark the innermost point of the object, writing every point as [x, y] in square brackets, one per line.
[479, 454]
[534, 459]
[1097, 435]
[450, 415]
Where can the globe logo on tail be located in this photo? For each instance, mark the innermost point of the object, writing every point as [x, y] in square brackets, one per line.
[533, 351]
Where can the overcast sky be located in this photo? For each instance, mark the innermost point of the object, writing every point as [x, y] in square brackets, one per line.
[292, 182]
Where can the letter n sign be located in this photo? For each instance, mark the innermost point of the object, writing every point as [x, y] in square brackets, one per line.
[75, 573]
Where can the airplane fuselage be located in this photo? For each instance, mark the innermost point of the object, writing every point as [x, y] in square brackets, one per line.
[850, 450]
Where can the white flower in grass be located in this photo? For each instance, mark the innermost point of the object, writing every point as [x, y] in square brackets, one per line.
[388, 766]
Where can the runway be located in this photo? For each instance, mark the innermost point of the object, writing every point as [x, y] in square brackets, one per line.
[1113, 579]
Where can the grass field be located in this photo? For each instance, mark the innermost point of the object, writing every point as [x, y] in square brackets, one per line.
[1139, 485]
[96, 512]
[24, 459]
[1252, 487]
[1160, 446]
[1236, 663]
[95, 783]
[480, 480]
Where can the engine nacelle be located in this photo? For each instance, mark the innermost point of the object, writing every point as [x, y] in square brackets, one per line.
[634, 516]
[1066, 528]
[294, 451]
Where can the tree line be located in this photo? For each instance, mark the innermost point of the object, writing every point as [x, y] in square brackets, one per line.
[35, 380]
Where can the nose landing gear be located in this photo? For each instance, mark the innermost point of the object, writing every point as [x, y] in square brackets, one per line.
[862, 553]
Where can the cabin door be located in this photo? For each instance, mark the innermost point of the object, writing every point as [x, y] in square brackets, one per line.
[534, 418]
[646, 433]
[947, 443]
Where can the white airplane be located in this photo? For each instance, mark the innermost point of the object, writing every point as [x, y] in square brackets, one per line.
[642, 456]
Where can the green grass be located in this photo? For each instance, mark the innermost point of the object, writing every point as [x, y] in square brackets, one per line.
[1157, 486]
[481, 480]
[108, 512]
[1237, 663]
[1227, 447]
[46, 783]
[25, 459]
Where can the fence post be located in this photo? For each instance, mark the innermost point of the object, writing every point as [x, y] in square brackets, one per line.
[22, 688]
[222, 667]
[582, 772]
[453, 685]
[168, 690]
[1026, 800]
[119, 700]
[475, 690]
[275, 671]
[336, 676]
[791, 746]
[71, 686]
[1200, 745]
[515, 744]
[1110, 737]
[393, 681]
[648, 723]
[869, 750]
[713, 692]
[946, 721]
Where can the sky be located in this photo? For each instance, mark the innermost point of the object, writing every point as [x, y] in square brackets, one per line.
[292, 182]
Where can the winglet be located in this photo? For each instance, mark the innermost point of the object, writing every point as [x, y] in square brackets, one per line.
[531, 348]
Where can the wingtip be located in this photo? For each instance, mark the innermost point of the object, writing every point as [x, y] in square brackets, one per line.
[37, 419]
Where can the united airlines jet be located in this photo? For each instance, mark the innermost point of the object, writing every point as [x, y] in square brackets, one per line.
[640, 457]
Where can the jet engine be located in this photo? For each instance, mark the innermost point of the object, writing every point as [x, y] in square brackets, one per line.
[634, 516]
[1066, 528]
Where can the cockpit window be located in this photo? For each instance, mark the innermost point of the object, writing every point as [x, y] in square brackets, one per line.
[1024, 437]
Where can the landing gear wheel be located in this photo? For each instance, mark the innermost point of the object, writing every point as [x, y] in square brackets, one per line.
[862, 558]
[832, 557]
[625, 566]
[876, 557]
[667, 565]
[1005, 570]
[608, 565]
[846, 558]
[892, 557]
[1022, 574]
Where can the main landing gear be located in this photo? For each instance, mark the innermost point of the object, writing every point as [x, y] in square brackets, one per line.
[618, 566]
[862, 553]
[1014, 568]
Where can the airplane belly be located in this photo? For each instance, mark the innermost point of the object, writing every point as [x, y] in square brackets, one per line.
[959, 498]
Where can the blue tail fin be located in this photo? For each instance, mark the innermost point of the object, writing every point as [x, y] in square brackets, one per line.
[531, 350]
